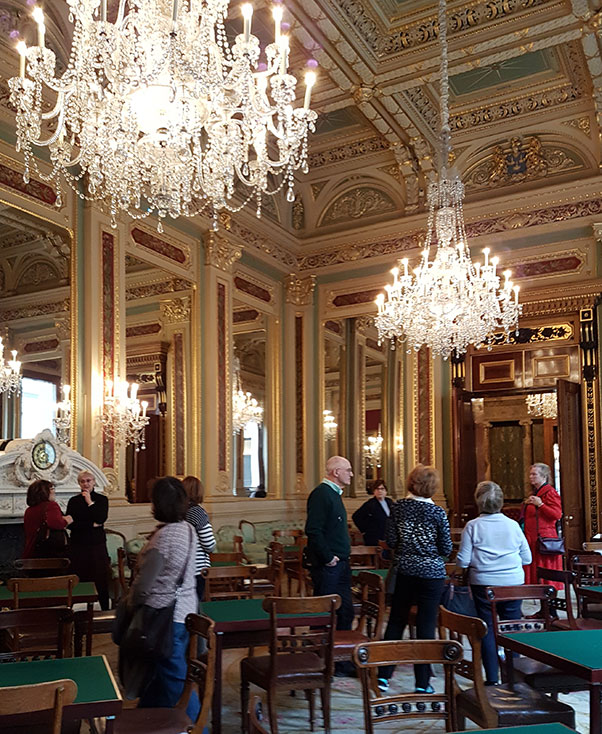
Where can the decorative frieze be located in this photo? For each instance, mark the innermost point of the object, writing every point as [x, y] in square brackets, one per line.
[299, 291]
[160, 246]
[348, 151]
[176, 310]
[219, 252]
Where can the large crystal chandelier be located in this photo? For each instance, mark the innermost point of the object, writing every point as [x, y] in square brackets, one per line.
[157, 112]
[10, 372]
[373, 450]
[329, 424]
[449, 302]
[544, 405]
[123, 416]
[62, 418]
[245, 408]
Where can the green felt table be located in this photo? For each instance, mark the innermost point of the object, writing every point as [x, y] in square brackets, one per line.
[82, 592]
[382, 572]
[97, 691]
[531, 729]
[576, 652]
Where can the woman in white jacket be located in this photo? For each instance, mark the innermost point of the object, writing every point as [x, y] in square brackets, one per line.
[494, 550]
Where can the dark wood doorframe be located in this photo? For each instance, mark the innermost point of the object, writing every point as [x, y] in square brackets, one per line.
[464, 454]
[570, 444]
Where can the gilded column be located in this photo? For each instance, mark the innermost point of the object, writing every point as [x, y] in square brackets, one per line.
[216, 358]
[299, 387]
[591, 424]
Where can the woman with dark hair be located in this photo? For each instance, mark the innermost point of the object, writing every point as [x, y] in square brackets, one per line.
[371, 518]
[165, 574]
[197, 516]
[541, 512]
[42, 507]
[419, 533]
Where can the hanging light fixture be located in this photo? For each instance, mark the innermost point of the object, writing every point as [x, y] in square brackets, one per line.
[62, 418]
[373, 450]
[160, 113]
[449, 302]
[124, 416]
[10, 372]
[543, 404]
[329, 424]
[245, 409]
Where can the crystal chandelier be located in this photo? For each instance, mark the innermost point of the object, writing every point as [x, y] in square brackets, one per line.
[542, 405]
[373, 450]
[158, 113]
[10, 372]
[123, 415]
[329, 424]
[62, 418]
[245, 409]
[449, 302]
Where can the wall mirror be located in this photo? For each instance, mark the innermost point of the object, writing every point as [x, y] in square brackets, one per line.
[158, 356]
[374, 381]
[333, 420]
[251, 374]
[35, 313]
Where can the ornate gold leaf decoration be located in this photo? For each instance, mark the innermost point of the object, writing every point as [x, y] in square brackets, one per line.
[176, 310]
[299, 291]
[219, 252]
[359, 202]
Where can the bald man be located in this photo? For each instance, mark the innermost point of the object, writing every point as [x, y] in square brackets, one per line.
[328, 545]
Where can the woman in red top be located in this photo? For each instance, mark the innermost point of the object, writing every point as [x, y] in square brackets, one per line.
[543, 507]
[42, 505]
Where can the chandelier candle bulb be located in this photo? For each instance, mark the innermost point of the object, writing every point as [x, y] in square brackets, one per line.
[22, 50]
[247, 13]
[310, 80]
[133, 390]
[283, 54]
[38, 16]
[144, 407]
[103, 10]
[277, 14]
[174, 12]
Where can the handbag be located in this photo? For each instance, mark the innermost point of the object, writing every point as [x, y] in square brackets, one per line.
[550, 546]
[458, 598]
[49, 543]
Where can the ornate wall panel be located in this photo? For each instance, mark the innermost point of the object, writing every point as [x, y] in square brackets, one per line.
[108, 317]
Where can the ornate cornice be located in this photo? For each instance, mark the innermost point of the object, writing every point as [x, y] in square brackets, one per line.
[547, 301]
[163, 247]
[299, 291]
[347, 152]
[219, 252]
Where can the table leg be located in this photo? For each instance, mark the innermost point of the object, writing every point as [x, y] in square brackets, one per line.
[594, 708]
[90, 609]
[217, 688]
[509, 667]
[109, 725]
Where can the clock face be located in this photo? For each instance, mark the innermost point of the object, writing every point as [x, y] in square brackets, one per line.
[43, 455]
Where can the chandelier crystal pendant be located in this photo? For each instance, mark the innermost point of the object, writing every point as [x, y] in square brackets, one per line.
[10, 372]
[62, 418]
[157, 112]
[448, 302]
[245, 408]
[544, 405]
[123, 416]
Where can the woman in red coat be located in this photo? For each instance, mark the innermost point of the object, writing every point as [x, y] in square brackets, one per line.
[543, 507]
[43, 507]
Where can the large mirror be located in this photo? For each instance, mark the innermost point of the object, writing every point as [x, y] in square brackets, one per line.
[374, 381]
[35, 317]
[158, 356]
[250, 375]
[334, 371]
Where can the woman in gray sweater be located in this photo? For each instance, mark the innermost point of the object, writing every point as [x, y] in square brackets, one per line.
[494, 550]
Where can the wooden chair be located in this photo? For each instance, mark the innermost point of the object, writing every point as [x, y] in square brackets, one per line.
[538, 675]
[37, 567]
[271, 579]
[234, 558]
[383, 708]
[102, 624]
[364, 557]
[296, 660]
[355, 536]
[42, 632]
[48, 697]
[385, 555]
[588, 572]
[200, 674]
[47, 583]
[256, 717]
[229, 582]
[282, 536]
[492, 707]
[371, 620]
[293, 565]
[238, 547]
[592, 546]
[118, 570]
[573, 621]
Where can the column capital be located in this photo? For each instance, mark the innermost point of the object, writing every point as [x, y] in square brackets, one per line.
[299, 291]
[176, 310]
[219, 252]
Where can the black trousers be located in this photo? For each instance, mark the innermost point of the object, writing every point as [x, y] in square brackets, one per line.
[91, 563]
[336, 580]
[426, 594]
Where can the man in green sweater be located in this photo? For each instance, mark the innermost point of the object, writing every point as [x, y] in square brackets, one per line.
[328, 544]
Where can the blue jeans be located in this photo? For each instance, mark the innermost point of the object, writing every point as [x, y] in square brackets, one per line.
[336, 580]
[506, 610]
[167, 684]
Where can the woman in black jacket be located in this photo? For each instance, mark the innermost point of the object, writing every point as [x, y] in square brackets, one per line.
[371, 518]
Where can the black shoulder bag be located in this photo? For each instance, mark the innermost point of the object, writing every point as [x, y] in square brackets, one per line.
[547, 546]
[49, 543]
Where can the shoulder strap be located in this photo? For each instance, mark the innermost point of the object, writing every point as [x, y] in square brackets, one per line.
[183, 572]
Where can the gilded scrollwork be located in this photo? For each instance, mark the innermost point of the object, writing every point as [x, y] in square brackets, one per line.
[360, 202]
[219, 252]
[176, 310]
[299, 291]
[298, 213]
[346, 152]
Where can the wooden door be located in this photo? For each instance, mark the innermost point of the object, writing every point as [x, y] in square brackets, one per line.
[465, 465]
[571, 462]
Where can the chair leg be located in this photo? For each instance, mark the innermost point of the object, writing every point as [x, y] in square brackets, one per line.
[461, 721]
[244, 702]
[309, 695]
[272, 710]
[325, 698]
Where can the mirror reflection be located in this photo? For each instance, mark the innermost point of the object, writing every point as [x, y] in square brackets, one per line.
[373, 422]
[332, 417]
[35, 270]
[250, 380]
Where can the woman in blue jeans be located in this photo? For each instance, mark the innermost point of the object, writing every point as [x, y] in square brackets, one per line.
[494, 550]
